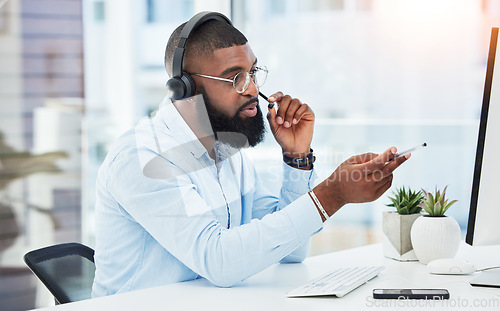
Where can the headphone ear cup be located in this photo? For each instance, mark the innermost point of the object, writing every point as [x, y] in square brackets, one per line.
[190, 87]
[176, 89]
[182, 87]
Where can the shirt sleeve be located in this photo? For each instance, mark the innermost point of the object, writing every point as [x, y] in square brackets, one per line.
[296, 183]
[223, 256]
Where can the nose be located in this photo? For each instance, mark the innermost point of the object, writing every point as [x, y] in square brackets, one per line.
[252, 89]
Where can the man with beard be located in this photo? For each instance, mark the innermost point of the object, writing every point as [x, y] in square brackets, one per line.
[177, 199]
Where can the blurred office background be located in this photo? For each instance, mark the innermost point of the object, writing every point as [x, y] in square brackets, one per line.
[74, 74]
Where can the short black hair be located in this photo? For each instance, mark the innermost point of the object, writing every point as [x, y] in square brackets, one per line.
[204, 40]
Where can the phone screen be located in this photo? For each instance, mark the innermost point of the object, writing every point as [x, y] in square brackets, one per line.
[407, 293]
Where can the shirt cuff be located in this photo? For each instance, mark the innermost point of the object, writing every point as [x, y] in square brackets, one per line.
[304, 216]
[298, 181]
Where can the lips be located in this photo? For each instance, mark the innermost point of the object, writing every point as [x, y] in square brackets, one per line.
[250, 111]
[250, 108]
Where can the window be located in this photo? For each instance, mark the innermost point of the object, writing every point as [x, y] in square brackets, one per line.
[3, 16]
[99, 11]
[377, 74]
[160, 11]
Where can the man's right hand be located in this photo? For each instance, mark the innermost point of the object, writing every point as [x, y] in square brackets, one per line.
[361, 178]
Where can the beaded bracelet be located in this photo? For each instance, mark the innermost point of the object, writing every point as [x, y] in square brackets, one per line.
[299, 163]
[318, 204]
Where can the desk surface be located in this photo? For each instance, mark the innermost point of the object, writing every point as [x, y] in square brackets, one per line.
[266, 290]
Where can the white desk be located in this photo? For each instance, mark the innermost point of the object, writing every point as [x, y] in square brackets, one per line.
[266, 290]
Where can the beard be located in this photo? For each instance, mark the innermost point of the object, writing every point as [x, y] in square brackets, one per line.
[236, 131]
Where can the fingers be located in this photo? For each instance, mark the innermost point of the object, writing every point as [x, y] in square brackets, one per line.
[381, 179]
[286, 109]
[361, 158]
[357, 184]
[301, 112]
[271, 118]
[392, 165]
[378, 162]
[385, 184]
[290, 110]
[275, 97]
[380, 173]
[374, 168]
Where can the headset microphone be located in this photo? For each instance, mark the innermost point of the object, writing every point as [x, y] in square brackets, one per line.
[181, 85]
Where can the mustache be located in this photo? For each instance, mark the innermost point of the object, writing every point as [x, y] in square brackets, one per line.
[248, 103]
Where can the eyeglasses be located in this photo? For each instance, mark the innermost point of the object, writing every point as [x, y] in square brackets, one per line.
[241, 80]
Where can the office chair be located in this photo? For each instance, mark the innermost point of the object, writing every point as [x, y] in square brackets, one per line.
[67, 270]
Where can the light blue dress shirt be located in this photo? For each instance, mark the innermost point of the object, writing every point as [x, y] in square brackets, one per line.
[165, 212]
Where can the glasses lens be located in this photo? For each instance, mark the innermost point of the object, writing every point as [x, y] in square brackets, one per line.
[260, 76]
[241, 81]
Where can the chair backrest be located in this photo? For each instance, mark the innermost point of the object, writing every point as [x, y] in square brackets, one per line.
[67, 270]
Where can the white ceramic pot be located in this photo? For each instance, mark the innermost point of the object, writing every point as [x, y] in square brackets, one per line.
[435, 237]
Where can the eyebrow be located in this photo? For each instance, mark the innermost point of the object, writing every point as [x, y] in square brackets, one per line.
[235, 68]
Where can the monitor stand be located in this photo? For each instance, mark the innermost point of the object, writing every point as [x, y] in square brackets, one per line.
[487, 279]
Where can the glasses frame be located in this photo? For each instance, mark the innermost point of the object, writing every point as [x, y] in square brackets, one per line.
[233, 80]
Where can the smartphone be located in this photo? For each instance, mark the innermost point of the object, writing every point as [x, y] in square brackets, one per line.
[431, 294]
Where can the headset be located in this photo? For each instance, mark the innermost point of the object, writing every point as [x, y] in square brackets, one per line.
[181, 85]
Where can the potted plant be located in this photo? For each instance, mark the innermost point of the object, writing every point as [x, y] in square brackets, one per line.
[397, 224]
[435, 235]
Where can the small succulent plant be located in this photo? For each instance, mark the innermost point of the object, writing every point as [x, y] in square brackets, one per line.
[406, 202]
[436, 205]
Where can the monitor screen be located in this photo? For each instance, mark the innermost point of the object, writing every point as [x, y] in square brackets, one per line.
[484, 215]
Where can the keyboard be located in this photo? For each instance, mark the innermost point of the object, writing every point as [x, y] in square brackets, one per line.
[338, 282]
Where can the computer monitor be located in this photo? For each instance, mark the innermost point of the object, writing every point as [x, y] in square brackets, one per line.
[484, 214]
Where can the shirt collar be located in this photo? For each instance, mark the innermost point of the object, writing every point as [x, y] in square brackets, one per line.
[179, 129]
[181, 132]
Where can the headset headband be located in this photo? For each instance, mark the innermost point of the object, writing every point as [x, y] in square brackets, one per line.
[192, 24]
